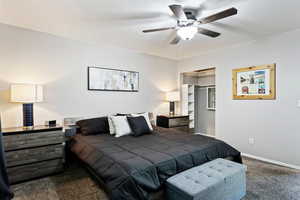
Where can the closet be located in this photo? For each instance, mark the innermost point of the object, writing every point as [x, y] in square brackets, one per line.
[198, 94]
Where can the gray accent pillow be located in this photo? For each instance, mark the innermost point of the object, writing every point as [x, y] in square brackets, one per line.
[93, 126]
[138, 126]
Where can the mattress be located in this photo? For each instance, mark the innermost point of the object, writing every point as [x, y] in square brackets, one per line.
[134, 167]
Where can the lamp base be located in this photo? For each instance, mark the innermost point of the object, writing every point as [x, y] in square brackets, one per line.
[172, 108]
[28, 115]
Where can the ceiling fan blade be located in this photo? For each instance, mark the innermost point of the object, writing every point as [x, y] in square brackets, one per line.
[176, 40]
[157, 29]
[220, 15]
[208, 32]
[178, 11]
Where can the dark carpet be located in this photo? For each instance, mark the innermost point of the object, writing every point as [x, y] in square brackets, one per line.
[264, 182]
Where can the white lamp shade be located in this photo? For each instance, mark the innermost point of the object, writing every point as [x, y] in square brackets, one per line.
[26, 93]
[173, 96]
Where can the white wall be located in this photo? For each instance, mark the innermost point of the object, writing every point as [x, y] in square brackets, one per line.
[274, 124]
[61, 66]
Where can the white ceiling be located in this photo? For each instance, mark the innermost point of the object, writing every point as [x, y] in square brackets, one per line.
[120, 22]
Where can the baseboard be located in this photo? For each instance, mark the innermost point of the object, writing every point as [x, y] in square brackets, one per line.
[200, 133]
[212, 136]
[271, 161]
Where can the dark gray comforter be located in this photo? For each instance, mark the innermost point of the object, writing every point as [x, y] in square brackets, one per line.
[133, 167]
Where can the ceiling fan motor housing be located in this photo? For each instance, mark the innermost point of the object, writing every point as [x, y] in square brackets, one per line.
[190, 18]
[190, 13]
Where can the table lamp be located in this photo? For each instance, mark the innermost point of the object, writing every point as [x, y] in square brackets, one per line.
[172, 97]
[26, 94]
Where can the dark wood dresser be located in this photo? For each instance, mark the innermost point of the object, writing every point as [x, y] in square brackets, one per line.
[180, 122]
[33, 153]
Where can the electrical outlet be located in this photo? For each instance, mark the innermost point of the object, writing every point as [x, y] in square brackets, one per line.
[251, 141]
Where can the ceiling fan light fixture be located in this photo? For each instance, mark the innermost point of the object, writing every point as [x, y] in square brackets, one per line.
[188, 25]
[187, 33]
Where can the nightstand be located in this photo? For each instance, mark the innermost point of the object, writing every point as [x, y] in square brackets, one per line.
[180, 122]
[70, 132]
[33, 153]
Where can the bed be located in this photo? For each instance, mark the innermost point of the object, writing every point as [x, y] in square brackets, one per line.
[136, 168]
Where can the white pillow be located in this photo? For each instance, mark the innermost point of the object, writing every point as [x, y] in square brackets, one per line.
[112, 129]
[121, 125]
[146, 116]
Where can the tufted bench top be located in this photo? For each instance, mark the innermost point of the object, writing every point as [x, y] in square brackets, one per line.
[209, 176]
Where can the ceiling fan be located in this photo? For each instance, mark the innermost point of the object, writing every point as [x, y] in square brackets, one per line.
[188, 24]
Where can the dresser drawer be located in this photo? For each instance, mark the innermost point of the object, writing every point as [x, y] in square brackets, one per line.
[178, 122]
[27, 172]
[26, 156]
[20, 141]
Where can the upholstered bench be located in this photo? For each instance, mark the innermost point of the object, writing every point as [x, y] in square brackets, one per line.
[216, 180]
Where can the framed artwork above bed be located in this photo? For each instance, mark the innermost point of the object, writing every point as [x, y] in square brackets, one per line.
[258, 82]
[105, 79]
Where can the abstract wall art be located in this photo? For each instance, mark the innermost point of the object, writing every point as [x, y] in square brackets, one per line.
[105, 79]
